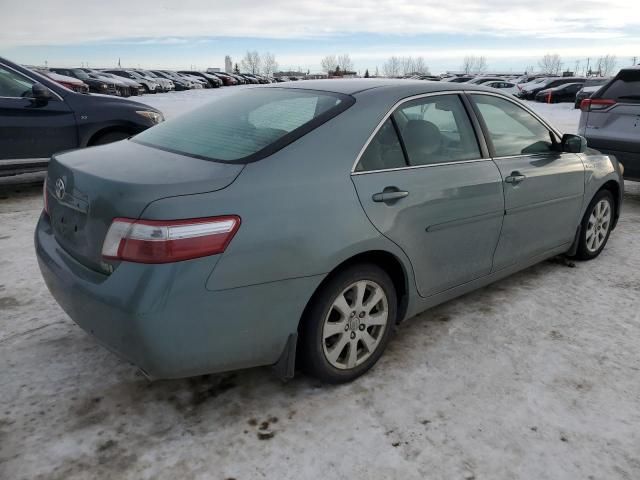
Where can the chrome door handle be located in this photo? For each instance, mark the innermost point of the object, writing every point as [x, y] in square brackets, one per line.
[389, 196]
[515, 177]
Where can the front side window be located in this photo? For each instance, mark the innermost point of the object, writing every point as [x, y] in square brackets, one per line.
[13, 84]
[436, 130]
[246, 126]
[513, 130]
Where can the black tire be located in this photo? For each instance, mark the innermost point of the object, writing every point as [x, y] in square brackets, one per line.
[584, 252]
[311, 348]
[110, 137]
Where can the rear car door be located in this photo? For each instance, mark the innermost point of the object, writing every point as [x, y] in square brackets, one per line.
[610, 120]
[30, 128]
[543, 187]
[425, 181]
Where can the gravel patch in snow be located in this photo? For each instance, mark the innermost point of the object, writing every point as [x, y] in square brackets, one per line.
[536, 376]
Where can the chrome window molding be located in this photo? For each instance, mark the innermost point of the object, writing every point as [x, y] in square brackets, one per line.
[385, 118]
[452, 92]
[427, 165]
[28, 77]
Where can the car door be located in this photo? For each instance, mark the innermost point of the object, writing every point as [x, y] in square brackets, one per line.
[426, 183]
[30, 128]
[543, 187]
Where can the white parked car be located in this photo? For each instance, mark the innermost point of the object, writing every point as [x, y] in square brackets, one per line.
[503, 86]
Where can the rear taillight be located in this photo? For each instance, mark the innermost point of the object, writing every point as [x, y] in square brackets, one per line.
[165, 241]
[45, 199]
[595, 104]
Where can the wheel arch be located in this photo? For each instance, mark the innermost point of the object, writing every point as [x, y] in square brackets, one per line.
[106, 130]
[614, 188]
[389, 262]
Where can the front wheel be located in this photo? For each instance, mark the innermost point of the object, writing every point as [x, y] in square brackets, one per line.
[348, 324]
[596, 226]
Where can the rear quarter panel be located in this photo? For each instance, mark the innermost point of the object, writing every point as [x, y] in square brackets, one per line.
[300, 212]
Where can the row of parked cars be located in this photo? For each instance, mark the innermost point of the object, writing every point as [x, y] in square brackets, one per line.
[541, 88]
[125, 82]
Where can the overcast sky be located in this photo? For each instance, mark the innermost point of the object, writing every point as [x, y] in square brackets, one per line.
[512, 34]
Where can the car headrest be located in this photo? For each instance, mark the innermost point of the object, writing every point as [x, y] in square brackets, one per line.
[422, 135]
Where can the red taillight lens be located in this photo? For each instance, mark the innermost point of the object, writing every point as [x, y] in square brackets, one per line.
[594, 104]
[160, 241]
[45, 199]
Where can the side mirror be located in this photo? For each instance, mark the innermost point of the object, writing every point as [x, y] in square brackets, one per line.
[40, 93]
[573, 143]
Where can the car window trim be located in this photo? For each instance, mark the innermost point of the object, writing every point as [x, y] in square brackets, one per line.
[483, 153]
[33, 80]
[485, 129]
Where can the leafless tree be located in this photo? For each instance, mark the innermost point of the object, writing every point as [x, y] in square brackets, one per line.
[329, 63]
[251, 62]
[472, 65]
[420, 66]
[606, 65]
[269, 64]
[345, 63]
[550, 64]
[391, 68]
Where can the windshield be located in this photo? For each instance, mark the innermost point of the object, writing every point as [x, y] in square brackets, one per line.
[82, 75]
[246, 127]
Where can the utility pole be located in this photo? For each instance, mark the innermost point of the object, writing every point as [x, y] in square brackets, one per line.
[587, 71]
[634, 60]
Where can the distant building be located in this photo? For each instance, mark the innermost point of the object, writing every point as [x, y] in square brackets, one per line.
[213, 70]
[228, 64]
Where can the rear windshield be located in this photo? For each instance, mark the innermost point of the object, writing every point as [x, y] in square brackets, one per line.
[246, 126]
[624, 88]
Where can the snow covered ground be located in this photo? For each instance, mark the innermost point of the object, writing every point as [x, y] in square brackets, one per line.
[534, 377]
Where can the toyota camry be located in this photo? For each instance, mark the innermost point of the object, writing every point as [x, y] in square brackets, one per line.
[297, 226]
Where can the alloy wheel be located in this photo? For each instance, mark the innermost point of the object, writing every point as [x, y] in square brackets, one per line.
[598, 225]
[355, 324]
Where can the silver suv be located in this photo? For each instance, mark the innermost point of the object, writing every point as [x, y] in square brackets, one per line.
[610, 120]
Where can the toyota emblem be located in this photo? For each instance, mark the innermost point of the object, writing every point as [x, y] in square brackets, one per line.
[60, 189]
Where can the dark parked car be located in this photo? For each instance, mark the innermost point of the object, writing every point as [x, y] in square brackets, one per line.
[38, 118]
[150, 86]
[95, 85]
[610, 120]
[562, 93]
[214, 82]
[591, 86]
[530, 92]
[279, 223]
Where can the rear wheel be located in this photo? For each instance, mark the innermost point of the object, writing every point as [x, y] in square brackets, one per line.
[348, 324]
[596, 226]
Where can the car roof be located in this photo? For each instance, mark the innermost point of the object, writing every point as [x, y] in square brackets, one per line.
[401, 87]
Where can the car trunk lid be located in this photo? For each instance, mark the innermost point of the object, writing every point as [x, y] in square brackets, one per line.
[87, 189]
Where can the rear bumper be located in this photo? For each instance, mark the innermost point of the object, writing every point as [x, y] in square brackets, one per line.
[163, 319]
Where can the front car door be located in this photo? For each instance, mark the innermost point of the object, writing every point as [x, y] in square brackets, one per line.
[543, 187]
[31, 128]
[426, 182]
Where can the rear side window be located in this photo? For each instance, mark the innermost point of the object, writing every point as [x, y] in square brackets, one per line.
[246, 126]
[624, 88]
[384, 151]
[436, 130]
[513, 130]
